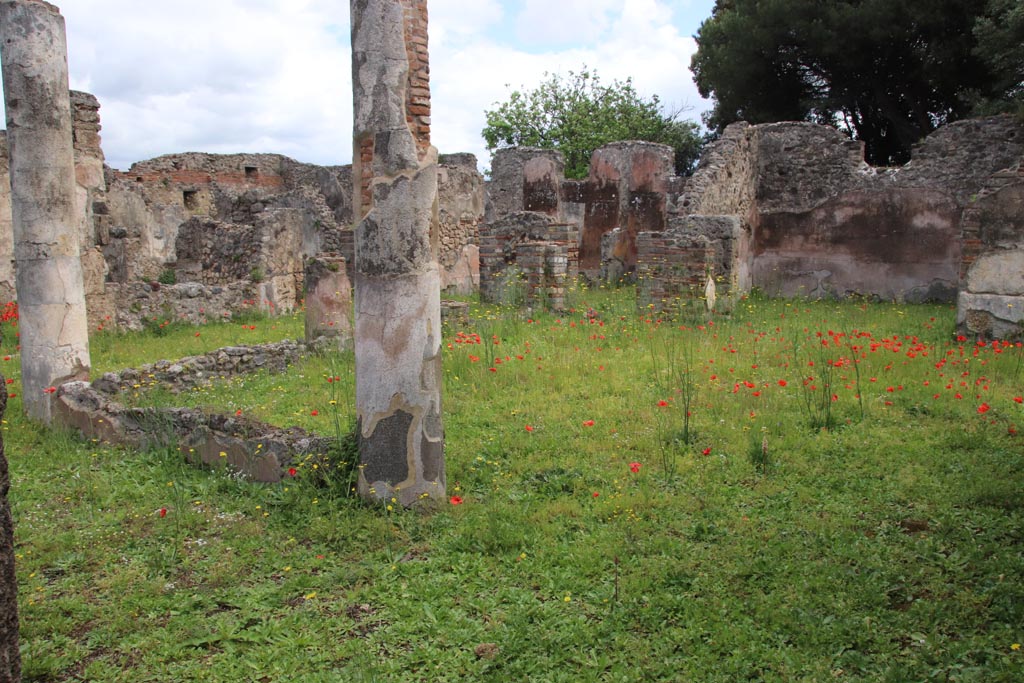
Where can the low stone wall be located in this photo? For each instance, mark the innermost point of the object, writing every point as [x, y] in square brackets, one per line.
[194, 371]
[257, 450]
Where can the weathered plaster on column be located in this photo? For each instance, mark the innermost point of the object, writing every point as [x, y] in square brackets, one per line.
[397, 281]
[51, 296]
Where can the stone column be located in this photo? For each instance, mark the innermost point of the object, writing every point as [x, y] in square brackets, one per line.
[397, 283]
[51, 296]
[10, 662]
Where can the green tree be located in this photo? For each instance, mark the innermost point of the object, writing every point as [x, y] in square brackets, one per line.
[887, 72]
[1000, 44]
[578, 114]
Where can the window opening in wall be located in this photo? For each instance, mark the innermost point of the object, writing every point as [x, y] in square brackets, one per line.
[251, 172]
[191, 199]
[138, 179]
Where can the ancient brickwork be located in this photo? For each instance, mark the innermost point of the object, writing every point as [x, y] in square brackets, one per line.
[991, 298]
[525, 179]
[627, 188]
[673, 268]
[527, 257]
[417, 93]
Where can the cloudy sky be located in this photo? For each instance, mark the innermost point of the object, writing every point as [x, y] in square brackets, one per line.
[274, 75]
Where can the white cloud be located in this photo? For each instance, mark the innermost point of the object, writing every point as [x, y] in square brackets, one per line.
[638, 40]
[274, 75]
[563, 23]
[224, 76]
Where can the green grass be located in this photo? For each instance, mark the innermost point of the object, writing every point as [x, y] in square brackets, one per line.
[887, 548]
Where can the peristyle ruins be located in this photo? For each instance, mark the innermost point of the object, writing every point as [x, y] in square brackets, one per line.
[790, 209]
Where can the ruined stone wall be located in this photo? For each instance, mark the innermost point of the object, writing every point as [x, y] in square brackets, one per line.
[219, 219]
[247, 220]
[991, 299]
[460, 190]
[821, 222]
[525, 179]
[527, 257]
[627, 188]
[723, 183]
[89, 194]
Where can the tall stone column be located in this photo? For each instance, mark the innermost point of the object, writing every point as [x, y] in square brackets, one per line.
[51, 294]
[10, 661]
[397, 282]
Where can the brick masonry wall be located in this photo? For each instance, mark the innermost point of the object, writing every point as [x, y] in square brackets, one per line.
[672, 271]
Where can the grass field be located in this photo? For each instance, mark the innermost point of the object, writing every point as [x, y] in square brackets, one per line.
[798, 492]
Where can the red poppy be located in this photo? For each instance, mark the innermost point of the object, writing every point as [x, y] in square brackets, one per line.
[292, 471]
[455, 500]
[588, 423]
[314, 413]
[706, 451]
[983, 408]
[1018, 399]
[634, 467]
[782, 382]
[529, 428]
[163, 512]
[595, 494]
[662, 403]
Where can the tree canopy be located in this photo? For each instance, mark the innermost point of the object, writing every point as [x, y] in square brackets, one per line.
[887, 72]
[578, 114]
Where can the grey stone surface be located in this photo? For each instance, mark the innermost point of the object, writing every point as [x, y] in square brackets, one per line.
[397, 280]
[254, 449]
[50, 284]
